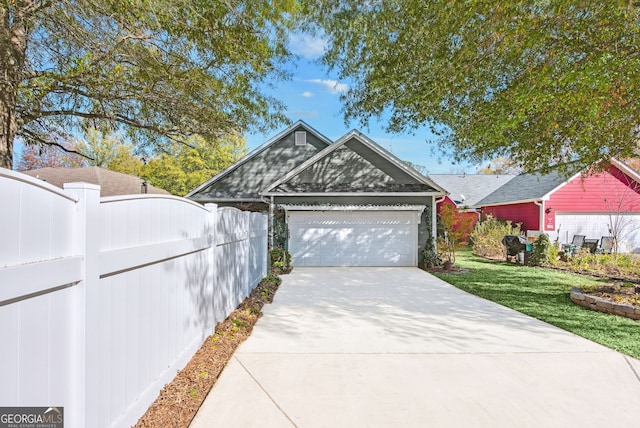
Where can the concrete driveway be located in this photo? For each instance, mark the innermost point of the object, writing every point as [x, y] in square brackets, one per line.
[397, 347]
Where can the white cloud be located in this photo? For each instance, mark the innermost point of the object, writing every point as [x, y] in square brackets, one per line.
[307, 94]
[307, 114]
[308, 46]
[333, 86]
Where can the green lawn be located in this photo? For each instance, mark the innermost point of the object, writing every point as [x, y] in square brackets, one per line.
[544, 294]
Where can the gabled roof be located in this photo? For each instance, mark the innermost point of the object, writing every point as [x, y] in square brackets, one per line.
[468, 189]
[525, 188]
[253, 166]
[111, 183]
[535, 187]
[353, 164]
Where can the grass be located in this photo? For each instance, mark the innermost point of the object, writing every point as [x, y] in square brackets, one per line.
[544, 294]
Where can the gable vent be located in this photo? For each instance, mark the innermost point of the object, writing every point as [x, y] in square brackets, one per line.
[301, 138]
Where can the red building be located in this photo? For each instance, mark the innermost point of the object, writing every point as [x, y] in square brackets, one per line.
[603, 204]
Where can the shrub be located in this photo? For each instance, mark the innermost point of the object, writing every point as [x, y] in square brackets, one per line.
[430, 256]
[541, 250]
[280, 261]
[487, 236]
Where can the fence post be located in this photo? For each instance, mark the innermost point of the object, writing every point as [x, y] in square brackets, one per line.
[87, 243]
[212, 228]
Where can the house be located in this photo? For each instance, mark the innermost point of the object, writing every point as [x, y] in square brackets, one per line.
[347, 202]
[111, 183]
[465, 190]
[597, 205]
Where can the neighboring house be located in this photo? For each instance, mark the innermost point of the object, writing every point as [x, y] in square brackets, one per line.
[111, 183]
[604, 204]
[344, 203]
[465, 190]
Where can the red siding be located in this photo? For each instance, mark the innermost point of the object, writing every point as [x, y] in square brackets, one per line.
[472, 215]
[609, 191]
[605, 192]
[528, 214]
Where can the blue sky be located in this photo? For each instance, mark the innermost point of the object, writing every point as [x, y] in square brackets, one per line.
[313, 95]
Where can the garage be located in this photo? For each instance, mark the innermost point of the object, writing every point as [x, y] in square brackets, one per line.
[595, 226]
[354, 238]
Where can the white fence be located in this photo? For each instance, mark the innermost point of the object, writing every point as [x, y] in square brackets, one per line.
[102, 301]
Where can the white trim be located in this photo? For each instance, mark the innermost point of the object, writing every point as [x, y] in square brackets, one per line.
[523, 201]
[259, 150]
[288, 207]
[626, 169]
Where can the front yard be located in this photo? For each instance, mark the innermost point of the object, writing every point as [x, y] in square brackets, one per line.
[544, 294]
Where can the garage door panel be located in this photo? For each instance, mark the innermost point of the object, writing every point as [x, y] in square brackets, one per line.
[360, 238]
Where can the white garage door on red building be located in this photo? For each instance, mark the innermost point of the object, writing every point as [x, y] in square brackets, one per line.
[353, 238]
[597, 225]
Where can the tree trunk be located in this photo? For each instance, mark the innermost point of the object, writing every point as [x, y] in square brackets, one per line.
[13, 44]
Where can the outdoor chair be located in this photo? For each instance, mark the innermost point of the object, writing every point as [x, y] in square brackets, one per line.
[591, 244]
[606, 245]
[577, 242]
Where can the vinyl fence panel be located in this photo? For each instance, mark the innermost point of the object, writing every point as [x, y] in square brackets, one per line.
[102, 301]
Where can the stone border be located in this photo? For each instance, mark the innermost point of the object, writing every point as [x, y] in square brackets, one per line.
[602, 305]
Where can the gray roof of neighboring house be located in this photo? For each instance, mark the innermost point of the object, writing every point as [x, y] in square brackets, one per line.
[245, 179]
[111, 183]
[468, 189]
[524, 187]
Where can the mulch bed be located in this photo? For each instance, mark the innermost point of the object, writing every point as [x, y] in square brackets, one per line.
[179, 401]
[616, 292]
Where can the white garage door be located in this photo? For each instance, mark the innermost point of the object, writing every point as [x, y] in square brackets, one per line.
[596, 226]
[353, 238]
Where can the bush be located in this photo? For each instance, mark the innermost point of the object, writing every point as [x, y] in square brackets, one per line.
[487, 236]
[280, 261]
[430, 256]
[541, 251]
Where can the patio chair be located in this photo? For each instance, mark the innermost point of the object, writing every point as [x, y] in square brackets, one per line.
[606, 245]
[591, 244]
[577, 242]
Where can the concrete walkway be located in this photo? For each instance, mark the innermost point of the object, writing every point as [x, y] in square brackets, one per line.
[397, 347]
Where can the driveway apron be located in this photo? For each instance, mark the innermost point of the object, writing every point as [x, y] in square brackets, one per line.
[397, 347]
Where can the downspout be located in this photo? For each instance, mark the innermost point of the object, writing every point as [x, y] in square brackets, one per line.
[540, 216]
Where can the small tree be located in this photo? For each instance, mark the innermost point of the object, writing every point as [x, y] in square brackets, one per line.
[541, 249]
[455, 229]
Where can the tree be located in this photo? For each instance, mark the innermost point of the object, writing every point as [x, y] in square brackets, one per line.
[36, 157]
[186, 167]
[109, 151]
[455, 228]
[499, 166]
[160, 70]
[545, 83]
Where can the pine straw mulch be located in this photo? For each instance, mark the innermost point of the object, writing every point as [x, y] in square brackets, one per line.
[179, 400]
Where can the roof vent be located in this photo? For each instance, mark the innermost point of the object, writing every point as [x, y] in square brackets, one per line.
[301, 138]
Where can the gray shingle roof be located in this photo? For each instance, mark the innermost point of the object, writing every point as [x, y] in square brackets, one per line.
[111, 183]
[524, 187]
[468, 189]
[245, 179]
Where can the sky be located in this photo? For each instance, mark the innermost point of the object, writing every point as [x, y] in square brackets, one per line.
[313, 95]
